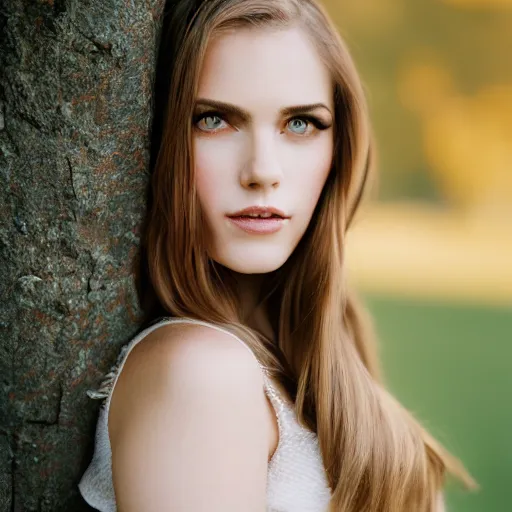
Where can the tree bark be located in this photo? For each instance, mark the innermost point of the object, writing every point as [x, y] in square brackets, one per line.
[76, 81]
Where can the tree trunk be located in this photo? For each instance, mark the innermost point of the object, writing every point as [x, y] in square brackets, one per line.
[76, 81]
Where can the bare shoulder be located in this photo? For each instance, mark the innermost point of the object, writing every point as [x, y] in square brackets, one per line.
[187, 358]
[189, 408]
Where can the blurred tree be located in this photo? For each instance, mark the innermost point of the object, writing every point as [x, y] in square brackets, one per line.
[440, 92]
[466, 138]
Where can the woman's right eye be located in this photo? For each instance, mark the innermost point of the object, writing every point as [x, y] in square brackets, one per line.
[208, 122]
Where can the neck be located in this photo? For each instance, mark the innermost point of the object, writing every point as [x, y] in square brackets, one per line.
[248, 288]
[254, 312]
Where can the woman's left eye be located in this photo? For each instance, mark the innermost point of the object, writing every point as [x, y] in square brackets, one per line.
[298, 125]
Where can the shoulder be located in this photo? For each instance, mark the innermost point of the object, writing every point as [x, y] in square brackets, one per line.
[189, 407]
[197, 351]
[196, 361]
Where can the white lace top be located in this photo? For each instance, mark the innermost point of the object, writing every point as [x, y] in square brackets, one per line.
[296, 480]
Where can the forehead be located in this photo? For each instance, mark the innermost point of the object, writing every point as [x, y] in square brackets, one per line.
[258, 67]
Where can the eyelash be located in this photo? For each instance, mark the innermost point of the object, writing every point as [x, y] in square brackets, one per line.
[315, 121]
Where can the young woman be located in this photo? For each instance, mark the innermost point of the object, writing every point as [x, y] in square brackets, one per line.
[256, 388]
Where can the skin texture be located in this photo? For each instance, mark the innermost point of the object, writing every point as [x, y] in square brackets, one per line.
[190, 426]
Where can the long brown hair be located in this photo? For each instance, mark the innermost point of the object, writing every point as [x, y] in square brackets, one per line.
[376, 455]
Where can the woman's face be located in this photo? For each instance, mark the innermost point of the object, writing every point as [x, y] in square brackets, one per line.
[263, 136]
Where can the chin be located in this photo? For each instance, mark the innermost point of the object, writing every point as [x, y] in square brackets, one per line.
[252, 262]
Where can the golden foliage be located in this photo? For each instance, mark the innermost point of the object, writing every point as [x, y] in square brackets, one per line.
[467, 139]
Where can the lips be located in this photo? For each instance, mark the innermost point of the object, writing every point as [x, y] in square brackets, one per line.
[259, 212]
[259, 225]
[259, 219]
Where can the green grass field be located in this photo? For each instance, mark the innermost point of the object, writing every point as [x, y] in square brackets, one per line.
[451, 365]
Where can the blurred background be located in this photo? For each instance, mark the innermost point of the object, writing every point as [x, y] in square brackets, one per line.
[432, 252]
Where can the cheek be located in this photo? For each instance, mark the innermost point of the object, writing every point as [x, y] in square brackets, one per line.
[311, 168]
[214, 163]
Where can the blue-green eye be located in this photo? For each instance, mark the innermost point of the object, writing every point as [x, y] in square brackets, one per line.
[210, 122]
[298, 126]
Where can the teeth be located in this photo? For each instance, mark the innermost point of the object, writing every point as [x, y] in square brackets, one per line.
[262, 215]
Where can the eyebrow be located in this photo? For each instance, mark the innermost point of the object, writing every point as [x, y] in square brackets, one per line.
[243, 114]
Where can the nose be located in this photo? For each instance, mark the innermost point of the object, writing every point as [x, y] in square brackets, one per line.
[262, 170]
